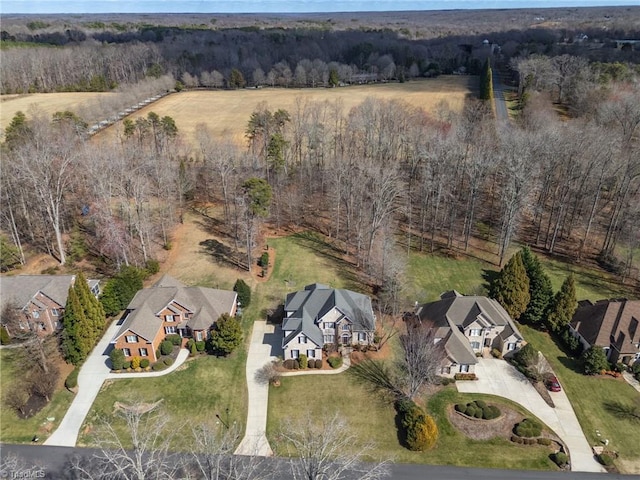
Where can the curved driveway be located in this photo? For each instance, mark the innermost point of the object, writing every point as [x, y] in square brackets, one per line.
[497, 377]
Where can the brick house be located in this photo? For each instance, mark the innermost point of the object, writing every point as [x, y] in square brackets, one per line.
[40, 300]
[170, 307]
[610, 324]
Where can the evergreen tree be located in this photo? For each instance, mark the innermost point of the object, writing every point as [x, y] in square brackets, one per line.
[511, 287]
[334, 80]
[244, 292]
[77, 333]
[92, 308]
[594, 360]
[226, 335]
[540, 289]
[563, 305]
[236, 79]
[119, 290]
[486, 81]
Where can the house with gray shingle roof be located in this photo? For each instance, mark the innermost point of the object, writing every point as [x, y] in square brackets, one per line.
[170, 307]
[40, 300]
[320, 315]
[468, 326]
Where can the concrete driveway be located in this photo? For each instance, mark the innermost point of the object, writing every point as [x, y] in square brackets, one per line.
[497, 377]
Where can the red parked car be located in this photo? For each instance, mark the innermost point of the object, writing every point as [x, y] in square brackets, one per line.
[553, 384]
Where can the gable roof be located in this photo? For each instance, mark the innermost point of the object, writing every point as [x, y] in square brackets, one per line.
[205, 304]
[609, 322]
[304, 309]
[20, 289]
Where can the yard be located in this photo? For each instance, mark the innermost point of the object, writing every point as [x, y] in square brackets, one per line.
[193, 394]
[323, 395]
[590, 396]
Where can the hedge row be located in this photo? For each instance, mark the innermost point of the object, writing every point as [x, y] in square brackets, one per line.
[478, 409]
[465, 376]
[295, 364]
[528, 428]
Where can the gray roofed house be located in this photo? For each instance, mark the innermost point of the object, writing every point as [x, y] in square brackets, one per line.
[469, 325]
[39, 298]
[320, 315]
[170, 307]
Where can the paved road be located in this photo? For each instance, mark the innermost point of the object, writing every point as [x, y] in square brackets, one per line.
[497, 377]
[261, 351]
[52, 460]
[502, 114]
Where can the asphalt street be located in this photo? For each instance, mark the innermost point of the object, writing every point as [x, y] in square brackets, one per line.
[50, 464]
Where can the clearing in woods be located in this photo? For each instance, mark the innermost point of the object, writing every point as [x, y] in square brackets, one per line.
[226, 112]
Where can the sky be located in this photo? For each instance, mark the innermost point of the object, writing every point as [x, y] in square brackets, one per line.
[280, 6]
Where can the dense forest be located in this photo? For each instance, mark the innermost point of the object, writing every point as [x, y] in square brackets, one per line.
[383, 178]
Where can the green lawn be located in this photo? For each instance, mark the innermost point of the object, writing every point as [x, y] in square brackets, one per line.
[371, 419]
[13, 429]
[589, 396]
[206, 385]
[430, 275]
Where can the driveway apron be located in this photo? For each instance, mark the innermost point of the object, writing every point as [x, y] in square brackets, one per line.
[497, 377]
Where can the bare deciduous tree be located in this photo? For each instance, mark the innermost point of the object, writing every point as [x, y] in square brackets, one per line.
[325, 449]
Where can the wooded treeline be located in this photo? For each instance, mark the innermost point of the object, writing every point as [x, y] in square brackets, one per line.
[383, 175]
[99, 60]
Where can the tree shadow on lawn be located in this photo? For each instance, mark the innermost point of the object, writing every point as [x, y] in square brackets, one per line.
[571, 363]
[221, 253]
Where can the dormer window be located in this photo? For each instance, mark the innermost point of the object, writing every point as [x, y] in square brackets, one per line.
[345, 327]
[475, 332]
[168, 318]
[132, 339]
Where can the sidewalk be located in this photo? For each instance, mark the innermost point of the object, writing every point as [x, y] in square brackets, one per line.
[631, 380]
[255, 439]
[93, 373]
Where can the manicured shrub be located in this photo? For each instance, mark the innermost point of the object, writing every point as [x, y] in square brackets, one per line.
[304, 362]
[152, 266]
[264, 260]
[544, 441]
[192, 348]
[126, 365]
[135, 363]
[158, 366]
[288, 364]
[72, 379]
[605, 459]
[117, 359]
[528, 428]
[491, 412]
[478, 413]
[174, 338]
[200, 346]
[296, 364]
[166, 347]
[420, 430]
[516, 439]
[465, 376]
[335, 362]
[560, 459]
[481, 403]
[496, 353]
[244, 292]
[460, 407]
[594, 360]
[168, 361]
[158, 353]
[470, 410]
[144, 363]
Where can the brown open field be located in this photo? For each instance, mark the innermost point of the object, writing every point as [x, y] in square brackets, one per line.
[49, 103]
[226, 112]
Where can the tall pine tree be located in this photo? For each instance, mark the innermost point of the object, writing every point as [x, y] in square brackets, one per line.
[78, 332]
[92, 307]
[540, 289]
[486, 81]
[563, 306]
[511, 287]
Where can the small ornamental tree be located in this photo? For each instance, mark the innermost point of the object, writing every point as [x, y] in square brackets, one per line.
[244, 292]
[420, 430]
[511, 287]
[594, 360]
[563, 305]
[540, 289]
[226, 335]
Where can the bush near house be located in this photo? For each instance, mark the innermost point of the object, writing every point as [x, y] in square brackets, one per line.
[144, 363]
[174, 338]
[304, 363]
[464, 376]
[594, 360]
[335, 362]
[117, 359]
[166, 347]
[244, 292]
[72, 379]
[528, 428]
[200, 345]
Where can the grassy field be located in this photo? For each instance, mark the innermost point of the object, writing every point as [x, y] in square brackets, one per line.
[47, 103]
[17, 430]
[191, 395]
[323, 395]
[226, 112]
[589, 397]
[430, 275]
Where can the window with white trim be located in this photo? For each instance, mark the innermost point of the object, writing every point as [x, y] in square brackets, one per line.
[329, 338]
[362, 337]
[345, 326]
[475, 345]
[311, 353]
[127, 352]
[169, 318]
[302, 339]
[55, 312]
[327, 325]
[169, 330]
[199, 336]
[475, 332]
[143, 352]
[511, 347]
[464, 368]
[35, 314]
[295, 353]
[131, 339]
